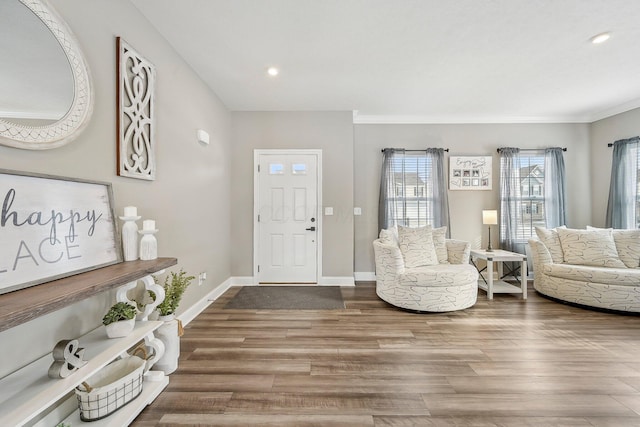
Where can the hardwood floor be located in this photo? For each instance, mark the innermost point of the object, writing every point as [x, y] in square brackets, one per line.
[506, 363]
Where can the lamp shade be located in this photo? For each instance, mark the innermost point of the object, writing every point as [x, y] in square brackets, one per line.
[489, 217]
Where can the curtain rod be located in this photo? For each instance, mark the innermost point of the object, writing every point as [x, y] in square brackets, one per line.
[532, 149]
[446, 149]
[632, 139]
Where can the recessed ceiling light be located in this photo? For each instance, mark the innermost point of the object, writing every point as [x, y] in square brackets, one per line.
[600, 38]
[272, 71]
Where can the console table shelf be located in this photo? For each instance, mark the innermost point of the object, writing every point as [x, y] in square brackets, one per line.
[20, 306]
[28, 391]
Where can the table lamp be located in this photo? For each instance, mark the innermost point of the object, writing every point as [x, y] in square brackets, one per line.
[489, 217]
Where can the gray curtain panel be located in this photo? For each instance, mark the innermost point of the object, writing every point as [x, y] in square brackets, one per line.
[511, 200]
[554, 188]
[413, 189]
[387, 204]
[440, 204]
[623, 189]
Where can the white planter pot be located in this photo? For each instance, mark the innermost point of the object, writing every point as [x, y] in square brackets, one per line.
[120, 329]
[168, 334]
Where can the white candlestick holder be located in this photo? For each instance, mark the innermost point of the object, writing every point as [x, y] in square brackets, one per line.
[148, 245]
[130, 238]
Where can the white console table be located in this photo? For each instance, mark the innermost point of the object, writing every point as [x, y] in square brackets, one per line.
[26, 393]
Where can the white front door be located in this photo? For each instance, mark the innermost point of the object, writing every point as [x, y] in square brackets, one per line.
[287, 220]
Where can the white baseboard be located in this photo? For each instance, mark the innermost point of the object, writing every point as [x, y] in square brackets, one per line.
[365, 276]
[243, 281]
[337, 281]
[197, 308]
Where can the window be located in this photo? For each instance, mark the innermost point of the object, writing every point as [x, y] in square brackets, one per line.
[529, 198]
[411, 194]
[535, 208]
[532, 194]
[299, 169]
[413, 209]
[276, 169]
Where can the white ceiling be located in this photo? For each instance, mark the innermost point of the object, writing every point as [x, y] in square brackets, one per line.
[431, 61]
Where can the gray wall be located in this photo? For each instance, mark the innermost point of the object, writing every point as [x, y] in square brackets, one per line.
[603, 132]
[190, 197]
[465, 206]
[203, 194]
[330, 131]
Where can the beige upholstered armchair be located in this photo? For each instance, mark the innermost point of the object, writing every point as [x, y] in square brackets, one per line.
[448, 283]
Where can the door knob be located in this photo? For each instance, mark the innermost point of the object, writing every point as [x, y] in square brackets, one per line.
[311, 229]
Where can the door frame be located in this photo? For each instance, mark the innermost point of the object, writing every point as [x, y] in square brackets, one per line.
[256, 203]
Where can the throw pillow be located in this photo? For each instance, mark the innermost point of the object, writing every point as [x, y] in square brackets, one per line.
[388, 237]
[549, 237]
[627, 244]
[416, 246]
[589, 247]
[440, 244]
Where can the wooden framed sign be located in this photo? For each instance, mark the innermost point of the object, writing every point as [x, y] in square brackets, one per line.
[53, 227]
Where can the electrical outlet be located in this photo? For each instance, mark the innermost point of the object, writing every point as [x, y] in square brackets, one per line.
[201, 278]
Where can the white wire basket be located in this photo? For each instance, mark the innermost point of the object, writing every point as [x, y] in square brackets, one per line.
[111, 388]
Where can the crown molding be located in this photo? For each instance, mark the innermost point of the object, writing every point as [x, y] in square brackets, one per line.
[447, 119]
[453, 119]
[622, 108]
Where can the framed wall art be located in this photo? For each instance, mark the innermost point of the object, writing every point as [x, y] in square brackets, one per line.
[136, 115]
[470, 173]
[53, 227]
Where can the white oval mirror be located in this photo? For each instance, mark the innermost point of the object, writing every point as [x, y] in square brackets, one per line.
[47, 96]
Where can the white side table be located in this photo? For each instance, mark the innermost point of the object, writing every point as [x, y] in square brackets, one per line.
[494, 286]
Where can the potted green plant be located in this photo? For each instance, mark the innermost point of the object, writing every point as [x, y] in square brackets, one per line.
[174, 286]
[120, 320]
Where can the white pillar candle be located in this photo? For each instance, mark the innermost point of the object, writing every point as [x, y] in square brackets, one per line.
[148, 224]
[130, 211]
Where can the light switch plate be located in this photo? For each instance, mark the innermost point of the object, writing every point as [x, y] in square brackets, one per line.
[357, 211]
[328, 211]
